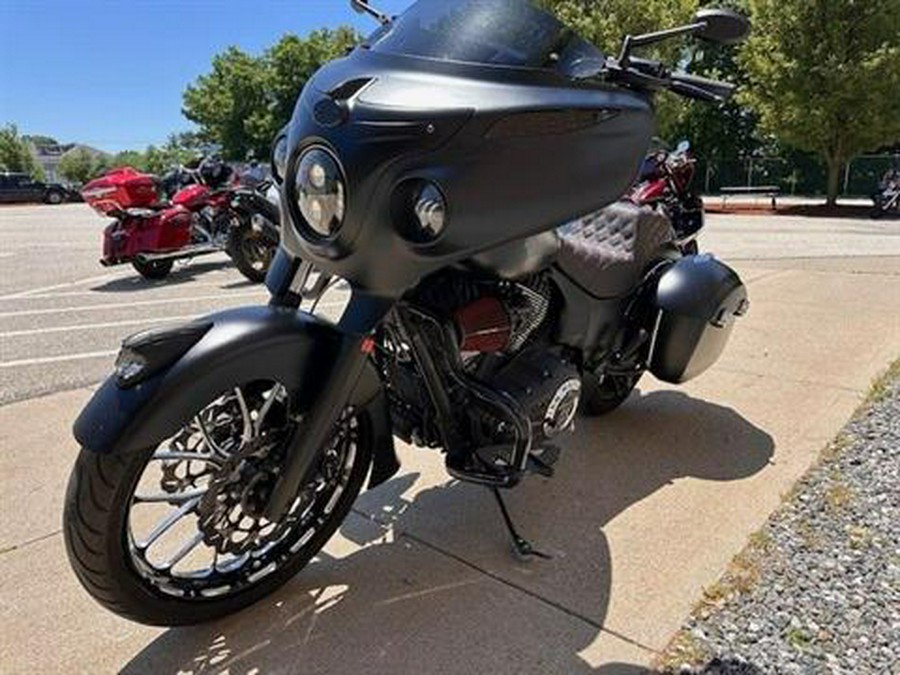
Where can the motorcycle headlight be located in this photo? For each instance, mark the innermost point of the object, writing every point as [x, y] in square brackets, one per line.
[320, 191]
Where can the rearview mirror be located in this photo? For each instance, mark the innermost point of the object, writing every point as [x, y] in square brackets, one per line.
[724, 26]
[682, 147]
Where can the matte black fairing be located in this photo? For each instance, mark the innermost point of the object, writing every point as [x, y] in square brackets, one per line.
[515, 151]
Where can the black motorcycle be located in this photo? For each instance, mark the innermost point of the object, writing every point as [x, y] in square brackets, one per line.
[431, 169]
[887, 199]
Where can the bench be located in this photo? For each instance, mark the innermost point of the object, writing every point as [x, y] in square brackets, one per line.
[770, 191]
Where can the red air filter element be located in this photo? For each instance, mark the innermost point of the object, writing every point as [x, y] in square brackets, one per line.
[483, 326]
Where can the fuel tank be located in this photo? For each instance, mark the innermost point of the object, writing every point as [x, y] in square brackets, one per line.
[191, 197]
[513, 151]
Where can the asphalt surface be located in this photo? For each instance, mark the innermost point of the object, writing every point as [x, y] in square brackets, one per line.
[63, 316]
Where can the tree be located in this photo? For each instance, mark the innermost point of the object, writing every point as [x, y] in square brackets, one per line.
[133, 158]
[41, 141]
[824, 76]
[15, 153]
[242, 103]
[606, 23]
[79, 165]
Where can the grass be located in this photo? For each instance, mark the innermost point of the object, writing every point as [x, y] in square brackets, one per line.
[797, 638]
[838, 496]
[859, 537]
[684, 649]
[881, 387]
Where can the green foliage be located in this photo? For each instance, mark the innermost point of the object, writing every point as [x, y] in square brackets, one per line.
[178, 149]
[824, 76]
[80, 165]
[41, 141]
[15, 153]
[243, 102]
[719, 133]
[606, 22]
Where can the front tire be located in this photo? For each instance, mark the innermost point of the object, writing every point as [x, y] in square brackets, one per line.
[99, 529]
[54, 197]
[251, 251]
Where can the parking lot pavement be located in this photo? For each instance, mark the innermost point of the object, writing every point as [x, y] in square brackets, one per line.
[63, 316]
[647, 507]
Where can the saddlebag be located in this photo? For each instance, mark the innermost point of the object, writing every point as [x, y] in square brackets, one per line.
[154, 232]
[697, 300]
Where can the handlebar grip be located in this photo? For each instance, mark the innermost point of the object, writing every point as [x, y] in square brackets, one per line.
[701, 87]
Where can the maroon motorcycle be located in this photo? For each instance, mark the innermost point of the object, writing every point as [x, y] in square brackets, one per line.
[214, 214]
[665, 184]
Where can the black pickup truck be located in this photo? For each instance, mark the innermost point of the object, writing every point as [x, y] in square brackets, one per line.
[20, 187]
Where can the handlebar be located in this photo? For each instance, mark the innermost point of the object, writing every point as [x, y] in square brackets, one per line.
[653, 75]
[701, 88]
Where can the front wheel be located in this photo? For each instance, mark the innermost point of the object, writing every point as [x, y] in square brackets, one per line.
[252, 251]
[54, 197]
[175, 535]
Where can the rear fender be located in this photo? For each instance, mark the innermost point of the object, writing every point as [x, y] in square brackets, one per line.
[240, 345]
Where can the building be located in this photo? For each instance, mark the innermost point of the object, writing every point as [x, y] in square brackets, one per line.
[49, 155]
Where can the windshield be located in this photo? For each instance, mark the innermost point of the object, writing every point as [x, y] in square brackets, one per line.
[496, 32]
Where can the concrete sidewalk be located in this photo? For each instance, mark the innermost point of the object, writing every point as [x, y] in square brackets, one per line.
[647, 507]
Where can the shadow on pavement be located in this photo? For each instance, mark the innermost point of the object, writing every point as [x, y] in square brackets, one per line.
[438, 590]
[181, 274]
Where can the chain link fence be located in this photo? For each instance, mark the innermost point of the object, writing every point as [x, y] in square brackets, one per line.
[796, 176]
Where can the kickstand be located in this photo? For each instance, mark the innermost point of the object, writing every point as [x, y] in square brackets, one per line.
[521, 546]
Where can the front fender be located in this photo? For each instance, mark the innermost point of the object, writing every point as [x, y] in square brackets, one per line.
[244, 344]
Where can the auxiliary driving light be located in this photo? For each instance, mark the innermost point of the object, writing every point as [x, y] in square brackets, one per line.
[420, 211]
[430, 210]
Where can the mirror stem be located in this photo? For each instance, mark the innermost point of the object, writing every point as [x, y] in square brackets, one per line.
[632, 41]
[364, 7]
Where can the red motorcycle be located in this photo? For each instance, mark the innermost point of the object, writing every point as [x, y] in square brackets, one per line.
[207, 217]
[665, 184]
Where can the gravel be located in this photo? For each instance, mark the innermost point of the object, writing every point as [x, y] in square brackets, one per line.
[818, 588]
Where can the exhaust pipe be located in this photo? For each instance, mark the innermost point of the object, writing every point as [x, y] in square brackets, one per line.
[189, 252]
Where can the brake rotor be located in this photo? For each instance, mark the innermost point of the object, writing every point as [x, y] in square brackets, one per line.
[230, 512]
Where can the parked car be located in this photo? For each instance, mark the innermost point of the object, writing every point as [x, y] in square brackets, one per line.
[20, 187]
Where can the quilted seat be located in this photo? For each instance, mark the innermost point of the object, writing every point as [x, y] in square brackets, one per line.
[607, 252]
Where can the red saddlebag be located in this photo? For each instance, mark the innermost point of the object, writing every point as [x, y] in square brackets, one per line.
[159, 232]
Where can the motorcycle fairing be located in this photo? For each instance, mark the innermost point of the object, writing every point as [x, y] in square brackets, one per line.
[515, 152]
[241, 345]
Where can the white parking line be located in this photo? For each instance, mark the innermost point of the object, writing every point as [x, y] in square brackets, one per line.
[92, 326]
[68, 284]
[121, 305]
[149, 321]
[156, 287]
[56, 359]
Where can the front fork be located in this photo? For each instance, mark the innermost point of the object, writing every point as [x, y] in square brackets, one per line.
[287, 282]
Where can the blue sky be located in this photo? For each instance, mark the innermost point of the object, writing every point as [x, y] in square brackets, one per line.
[110, 73]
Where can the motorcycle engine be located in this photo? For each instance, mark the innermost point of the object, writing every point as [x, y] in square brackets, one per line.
[497, 325]
[503, 322]
[546, 386]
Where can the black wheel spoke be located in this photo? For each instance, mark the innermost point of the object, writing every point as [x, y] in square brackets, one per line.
[216, 473]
